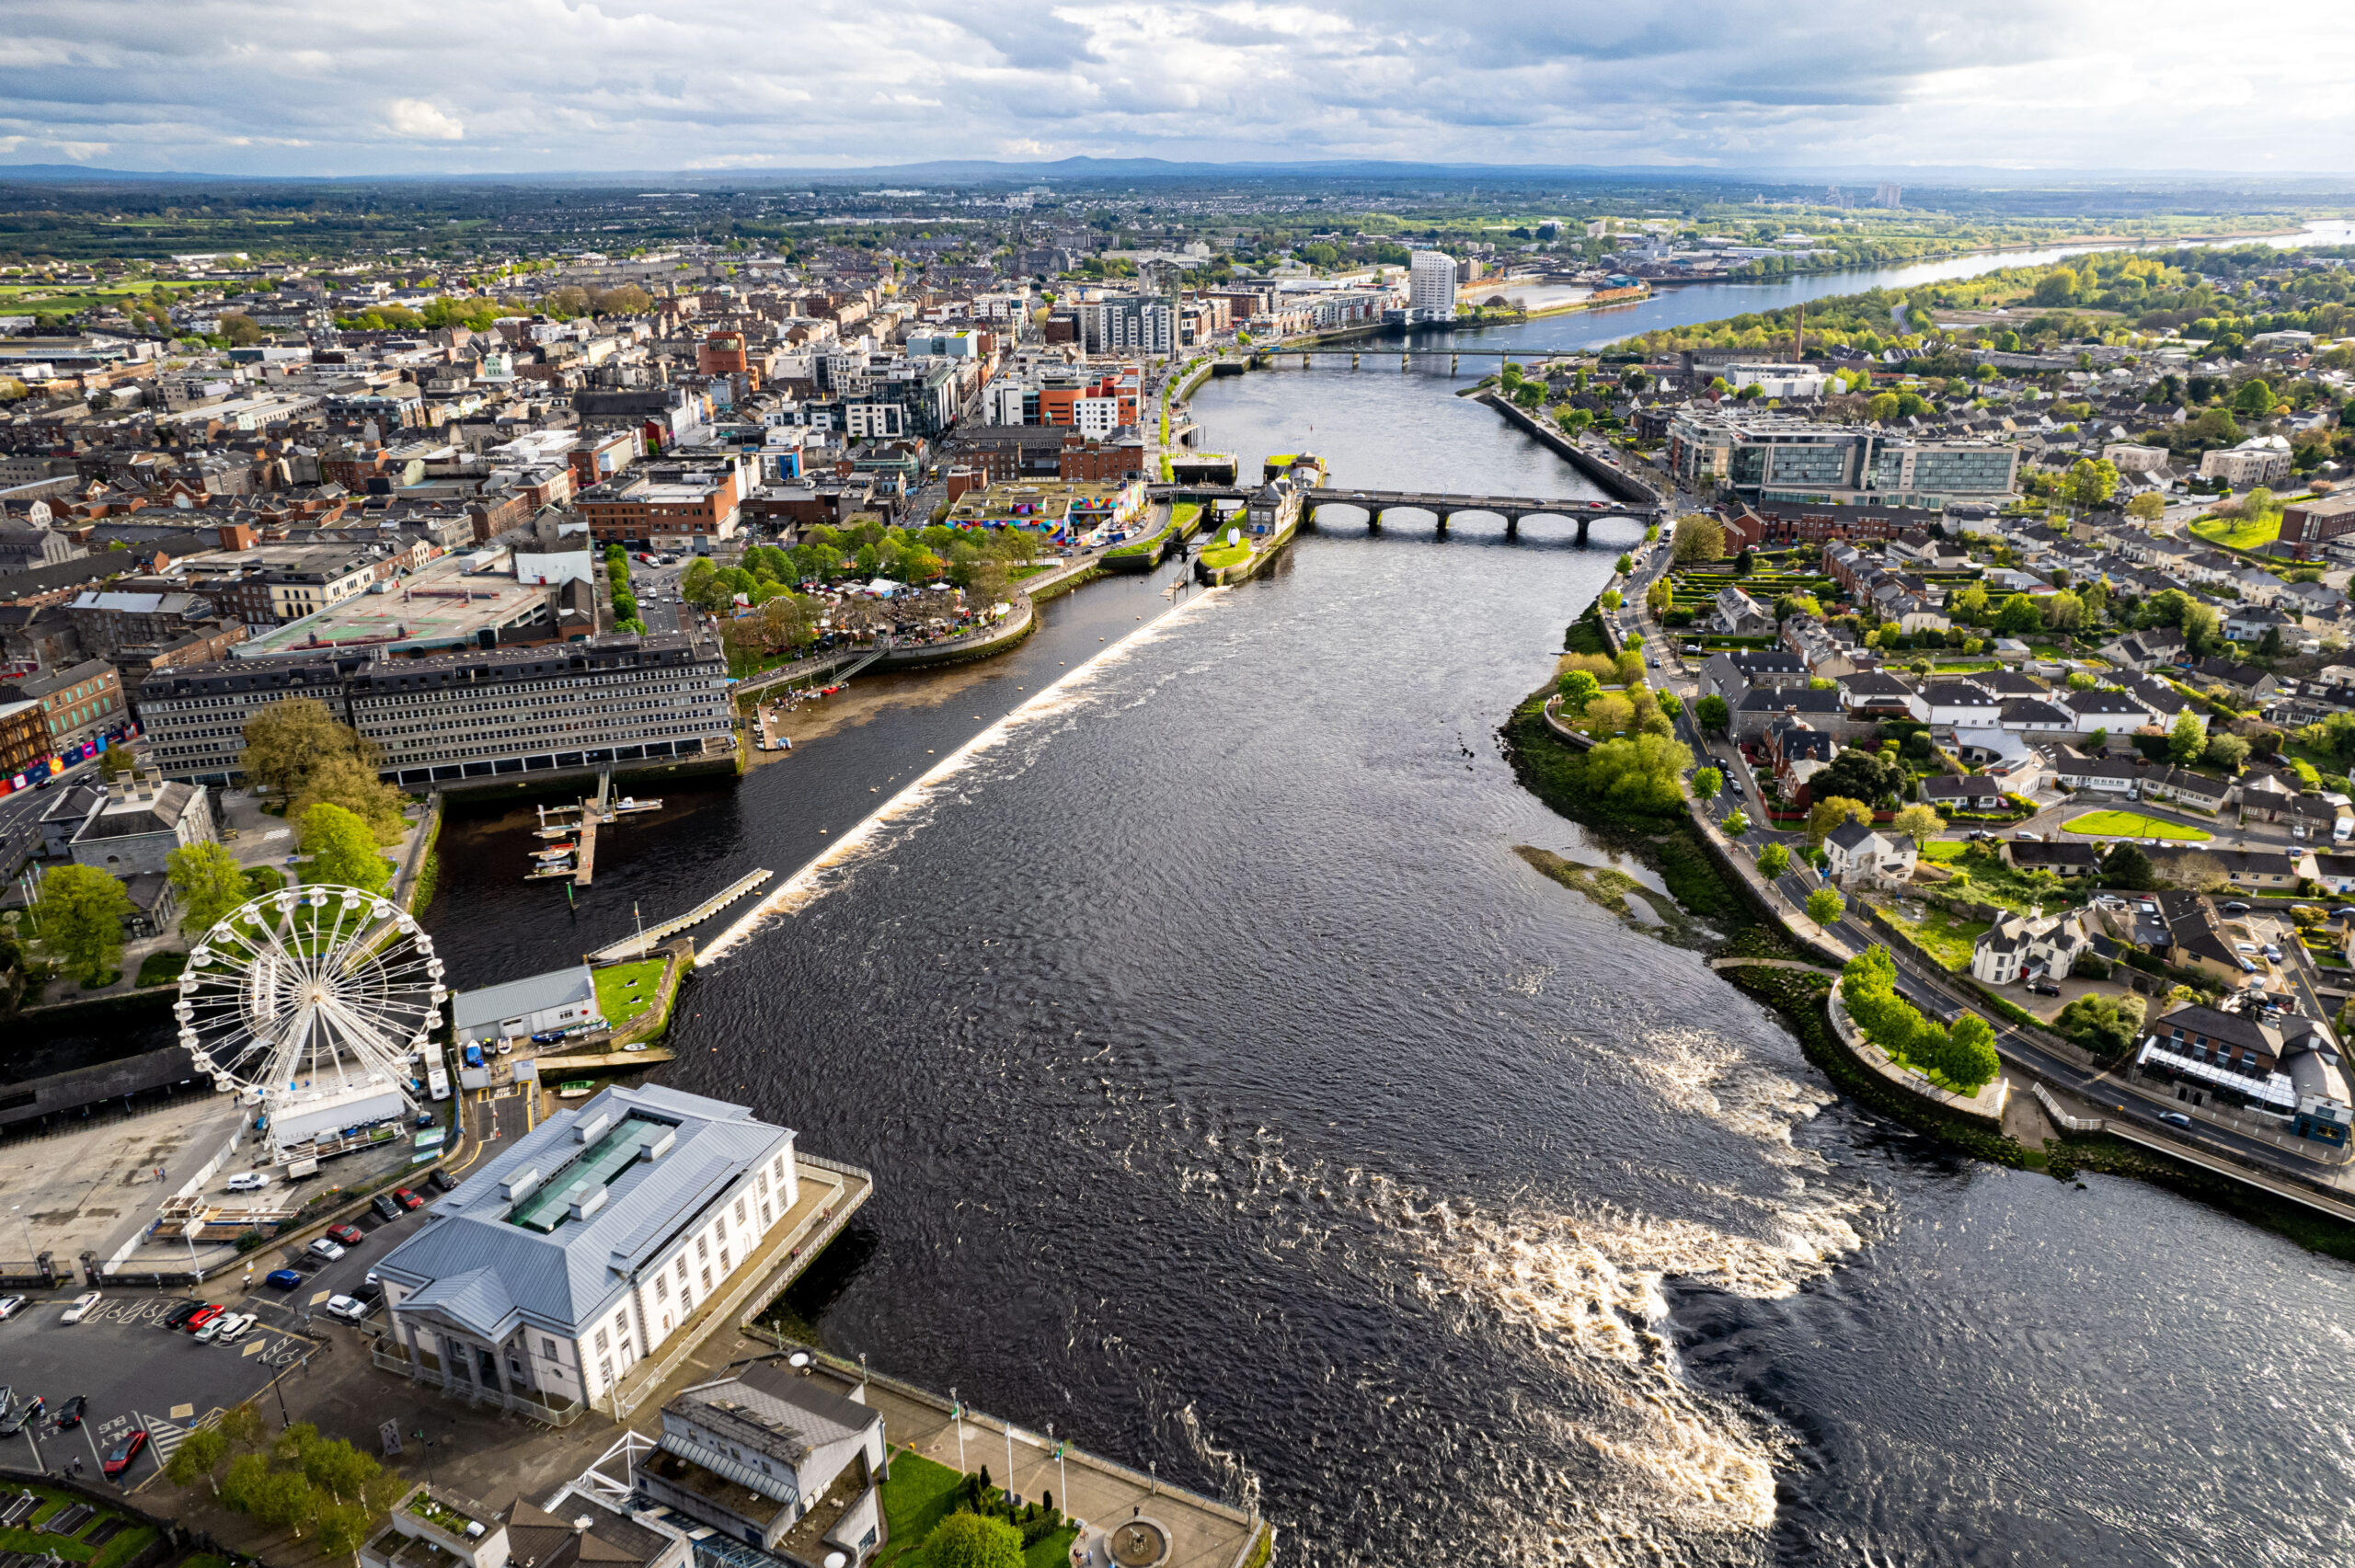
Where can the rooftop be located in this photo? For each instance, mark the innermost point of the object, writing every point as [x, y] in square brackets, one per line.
[440, 606]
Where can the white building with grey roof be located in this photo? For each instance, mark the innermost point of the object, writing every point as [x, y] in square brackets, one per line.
[586, 1245]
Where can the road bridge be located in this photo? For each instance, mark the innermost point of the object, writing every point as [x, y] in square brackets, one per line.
[1441, 505]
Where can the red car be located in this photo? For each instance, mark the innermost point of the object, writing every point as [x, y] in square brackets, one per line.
[407, 1198]
[118, 1457]
[350, 1235]
[203, 1316]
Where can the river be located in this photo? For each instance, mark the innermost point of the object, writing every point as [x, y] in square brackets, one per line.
[1240, 1102]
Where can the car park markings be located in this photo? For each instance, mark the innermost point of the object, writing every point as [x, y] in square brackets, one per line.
[182, 1412]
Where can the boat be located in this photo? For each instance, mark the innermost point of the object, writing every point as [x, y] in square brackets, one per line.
[630, 803]
[579, 1089]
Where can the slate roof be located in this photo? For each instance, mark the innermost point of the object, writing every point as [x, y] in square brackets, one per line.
[473, 1263]
[534, 993]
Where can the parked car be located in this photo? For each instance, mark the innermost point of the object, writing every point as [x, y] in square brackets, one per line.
[371, 1291]
[2344, 912]
[326, 1249]
[69, 1413]
[441, 1181]
[350, 1308]
[407, 1198]
[2174, 1118]
[350, 1235]
[237, 1330]
[2247, 948]
[79, 1307]
[179, 1315]
[2234, 906]
[10, 1306]
[2044, 987]
[118, 1457]
[17, 1420]
[386, 1208]
[2273, 953]
[282, 1279]
[247, 1181]
[212, 1327]
[201, 1316]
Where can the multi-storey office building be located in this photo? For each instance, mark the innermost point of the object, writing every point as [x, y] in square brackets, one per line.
[455, 716]
[1780, 459]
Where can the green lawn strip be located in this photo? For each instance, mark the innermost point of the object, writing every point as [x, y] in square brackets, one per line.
[2133, 825]
[1944, 850]
[1945, 937]
[617, 999]
[919, 1494]
[1051, 1552]
[124, 1546]
[1224, 555]
[2239, 534]
[162, 968]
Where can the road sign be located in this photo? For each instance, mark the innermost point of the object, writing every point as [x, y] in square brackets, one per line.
[389, 1434]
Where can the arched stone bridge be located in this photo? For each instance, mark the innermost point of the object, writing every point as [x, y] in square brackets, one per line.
[1442, 505]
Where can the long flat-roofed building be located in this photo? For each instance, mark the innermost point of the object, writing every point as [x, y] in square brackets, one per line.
[584, 1246]
[449, 717]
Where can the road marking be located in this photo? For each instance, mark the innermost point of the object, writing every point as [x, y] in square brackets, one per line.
[253, 1349]
[164, 1436]
[320, 1297]
[182, 1412]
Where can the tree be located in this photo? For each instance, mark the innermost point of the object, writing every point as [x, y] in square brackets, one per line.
[1824, 905]
[2105, 1025]
[970, 1540]
[2227, 750]
[1970, 605]
[1706, 783]
[1857, 776]
[1882, 409]
[342, 1469]
[1736, 824]
[294, 738]
[1970, 1059]
[2127, 867]
[1773, 860]
[342, 850]
[345, 780]
[209, 883]
[1645, 773]
[1828, 812]
[2188, 738]
[2194, 873]
[2063, 611]
[2254, 398]
[1610, 713]
[243, 1425]
[1715, 715]
[284, 1500]
[2334, 735]
[342, 1528]
[1578, 688]
[1698, 539]
[197, 1458]
[2148, 506]
[1919, 821]
[79, 916]
[2091, 482]
[2018, 614]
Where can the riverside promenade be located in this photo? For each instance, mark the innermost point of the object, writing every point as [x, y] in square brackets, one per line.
[1201, 1532]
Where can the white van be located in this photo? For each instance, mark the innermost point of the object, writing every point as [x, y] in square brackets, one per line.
[2342, 830]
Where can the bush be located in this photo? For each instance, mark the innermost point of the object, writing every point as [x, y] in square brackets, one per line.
[970, 1540]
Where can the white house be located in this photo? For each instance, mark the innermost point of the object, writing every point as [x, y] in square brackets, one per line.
[1856, 854]
[561, 999]
[2016, 947]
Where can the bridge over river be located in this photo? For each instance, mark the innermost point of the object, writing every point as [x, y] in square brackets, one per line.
[1441, 506]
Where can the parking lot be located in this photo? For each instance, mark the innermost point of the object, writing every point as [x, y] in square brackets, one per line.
[137, 1373]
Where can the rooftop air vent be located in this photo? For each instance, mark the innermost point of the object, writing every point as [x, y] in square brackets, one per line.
[519, 1185]
[584, 1200]
[587, 1130]
[656, 1147]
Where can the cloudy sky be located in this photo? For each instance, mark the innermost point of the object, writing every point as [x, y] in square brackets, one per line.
[425, 86]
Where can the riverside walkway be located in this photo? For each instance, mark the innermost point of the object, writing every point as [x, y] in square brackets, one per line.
[643, 942]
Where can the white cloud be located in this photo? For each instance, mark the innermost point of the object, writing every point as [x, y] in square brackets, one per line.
[261, 86]
[419, 120]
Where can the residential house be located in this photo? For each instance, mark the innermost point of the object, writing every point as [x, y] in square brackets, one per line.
[2098, 775]
[1796, 750]
[1730, 673]
[2245, 682]
[2105, 710]
[2072, 858]
[1739, 615]
[2249, 623]
[2334, 873]
[1856, 855]
[2208, 792]
[2145, 651]
[1874, 695]
[2019, 947]
[2254, 870]
[1761, 705]
[1951, 704]
[1969, 791]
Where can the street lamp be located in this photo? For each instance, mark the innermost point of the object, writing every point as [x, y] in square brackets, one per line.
[957, 1415]
[1062, 1481]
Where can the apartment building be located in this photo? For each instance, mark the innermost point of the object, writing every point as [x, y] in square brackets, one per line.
[1430, 286]
[77, 703]
[450, 718]
[669, 505]
[1783, 459]
[1129, 324]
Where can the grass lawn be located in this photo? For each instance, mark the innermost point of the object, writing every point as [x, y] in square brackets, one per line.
[2238, 534]
[2132, 825]
[917, 1497]
[162, 968]
[618, 999]
[1944, 851]
[1051, 1552]
[1945, 937]
[1224, 555]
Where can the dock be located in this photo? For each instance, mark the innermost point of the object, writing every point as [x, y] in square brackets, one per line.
[584, 859]
[640, 943]
[604, 1061]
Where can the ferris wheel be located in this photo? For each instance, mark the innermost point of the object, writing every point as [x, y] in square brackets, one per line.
[316, 987]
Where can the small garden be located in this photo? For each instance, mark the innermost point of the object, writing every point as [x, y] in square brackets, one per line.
[1943, 934]
[940, 1518]
[1962, 1061]
[100, 1537]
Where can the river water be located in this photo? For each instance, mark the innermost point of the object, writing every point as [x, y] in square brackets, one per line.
[1240, 1102]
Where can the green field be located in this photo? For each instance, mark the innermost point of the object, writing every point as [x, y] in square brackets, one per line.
[618, 999]
[1944, 851]
[2239, 534]
[1942, 936]
[2132, 825]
